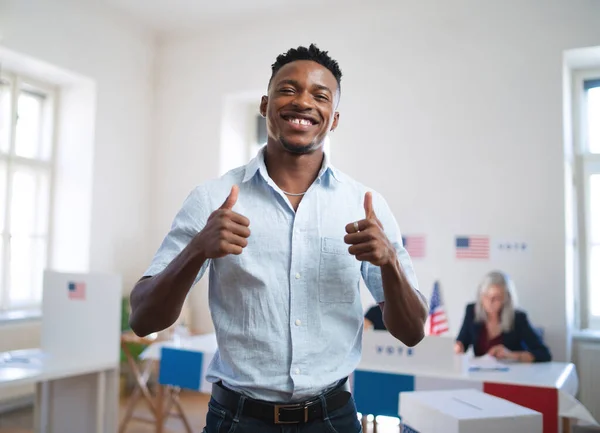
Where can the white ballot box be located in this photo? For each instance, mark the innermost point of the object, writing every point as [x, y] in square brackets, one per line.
[465, 411]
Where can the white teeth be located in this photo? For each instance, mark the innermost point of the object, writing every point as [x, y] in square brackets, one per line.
[301, 122]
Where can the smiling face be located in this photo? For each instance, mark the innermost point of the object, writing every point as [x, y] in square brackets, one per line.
[300, 107]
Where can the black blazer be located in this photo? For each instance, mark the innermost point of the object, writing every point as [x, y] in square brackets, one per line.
[521, 338]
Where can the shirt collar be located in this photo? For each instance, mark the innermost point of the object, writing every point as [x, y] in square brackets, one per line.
[258, 164]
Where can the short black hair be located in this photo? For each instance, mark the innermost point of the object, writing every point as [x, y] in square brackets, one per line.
[311, 53]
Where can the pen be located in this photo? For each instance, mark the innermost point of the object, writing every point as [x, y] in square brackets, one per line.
[489, 369]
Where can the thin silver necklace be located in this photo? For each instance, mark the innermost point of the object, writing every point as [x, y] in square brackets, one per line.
[294, 195]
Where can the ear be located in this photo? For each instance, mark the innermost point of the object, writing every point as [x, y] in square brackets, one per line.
[263, 106]
[336, 119]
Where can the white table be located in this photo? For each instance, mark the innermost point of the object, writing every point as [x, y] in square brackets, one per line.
[71, 396]
[432, 365]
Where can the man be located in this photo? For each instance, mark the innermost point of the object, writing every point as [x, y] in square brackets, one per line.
[287, 238]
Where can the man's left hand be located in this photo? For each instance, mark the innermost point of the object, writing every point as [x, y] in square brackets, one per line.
[368, 241]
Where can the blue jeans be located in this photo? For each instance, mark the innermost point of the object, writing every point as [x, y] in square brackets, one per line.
[221, 420]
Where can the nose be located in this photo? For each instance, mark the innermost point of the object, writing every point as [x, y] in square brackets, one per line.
[302, 101]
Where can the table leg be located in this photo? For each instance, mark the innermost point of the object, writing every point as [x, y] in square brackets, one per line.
[566, 425]
[101, 401]
[45, 407]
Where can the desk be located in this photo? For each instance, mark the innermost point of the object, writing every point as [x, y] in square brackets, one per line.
[71, 396]
[548, 388]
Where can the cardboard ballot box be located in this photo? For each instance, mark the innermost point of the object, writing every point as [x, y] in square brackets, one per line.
[465, 411]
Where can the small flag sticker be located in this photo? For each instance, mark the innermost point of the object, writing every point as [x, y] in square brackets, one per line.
[76, 290]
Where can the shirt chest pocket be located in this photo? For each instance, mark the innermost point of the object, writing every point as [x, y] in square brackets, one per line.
[339, 272]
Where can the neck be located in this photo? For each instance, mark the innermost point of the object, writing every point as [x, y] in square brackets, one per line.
[291, 172]
[493, 319]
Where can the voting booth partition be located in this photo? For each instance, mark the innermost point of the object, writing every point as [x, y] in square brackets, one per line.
[75, 371]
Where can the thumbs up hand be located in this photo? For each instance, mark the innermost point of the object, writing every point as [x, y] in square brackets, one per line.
[368, 241]
[226, 231]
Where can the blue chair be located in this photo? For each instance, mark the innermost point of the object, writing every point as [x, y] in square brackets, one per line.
[179, 369]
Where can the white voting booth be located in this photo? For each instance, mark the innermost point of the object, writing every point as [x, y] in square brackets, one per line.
[465, 411]
[76, 368]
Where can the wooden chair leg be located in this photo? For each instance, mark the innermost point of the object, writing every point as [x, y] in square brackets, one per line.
[566, 425]
[160, 406]
[182, 415]
[141, 390]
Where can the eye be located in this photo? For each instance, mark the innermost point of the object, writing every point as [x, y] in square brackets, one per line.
[286, 90]
[322, 97]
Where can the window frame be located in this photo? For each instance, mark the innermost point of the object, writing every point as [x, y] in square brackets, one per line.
[585, 165]
[21, 82]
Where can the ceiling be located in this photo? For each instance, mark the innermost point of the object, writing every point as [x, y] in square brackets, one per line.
[170, 15]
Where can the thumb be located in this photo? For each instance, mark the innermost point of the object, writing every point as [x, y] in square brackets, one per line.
[369, 211]
[231, 198]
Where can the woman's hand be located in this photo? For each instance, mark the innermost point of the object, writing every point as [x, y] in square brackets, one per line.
[501, 352]
[459, 348]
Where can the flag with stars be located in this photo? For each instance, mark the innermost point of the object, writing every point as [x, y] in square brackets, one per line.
[472, 247]
[76, 290]
[438, 322]
[415, 245]
[408, 429]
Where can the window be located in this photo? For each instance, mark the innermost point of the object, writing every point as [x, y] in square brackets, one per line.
[587, 169]
[26, 173]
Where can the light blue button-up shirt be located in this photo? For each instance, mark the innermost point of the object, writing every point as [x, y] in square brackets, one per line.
[287, 311]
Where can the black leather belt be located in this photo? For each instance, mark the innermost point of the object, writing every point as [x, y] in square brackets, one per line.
[295, 413]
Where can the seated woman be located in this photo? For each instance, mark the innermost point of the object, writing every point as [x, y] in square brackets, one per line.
[374, 319]
[493, 326]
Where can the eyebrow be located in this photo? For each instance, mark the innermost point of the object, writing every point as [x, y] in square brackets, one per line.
[297, 84]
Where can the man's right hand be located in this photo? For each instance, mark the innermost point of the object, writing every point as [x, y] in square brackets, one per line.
[226, 231]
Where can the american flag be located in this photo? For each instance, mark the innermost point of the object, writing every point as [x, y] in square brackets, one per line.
[407, 429]
[472, 247]
[415, 245]
[438, 323]
[76, 290]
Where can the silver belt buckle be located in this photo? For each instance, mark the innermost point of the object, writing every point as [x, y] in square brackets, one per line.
[289, 406]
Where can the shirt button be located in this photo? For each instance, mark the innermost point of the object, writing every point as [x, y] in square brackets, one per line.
[297, 371]
[298, 322]
[298, 276]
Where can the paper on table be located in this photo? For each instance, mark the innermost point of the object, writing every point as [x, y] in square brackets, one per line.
[21, 359]
[570, 407]
[486, 363]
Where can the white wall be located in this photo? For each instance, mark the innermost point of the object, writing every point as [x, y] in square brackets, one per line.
[452, 110]
[118, 55]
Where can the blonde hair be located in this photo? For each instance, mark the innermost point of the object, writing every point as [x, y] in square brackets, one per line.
[507, 314]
